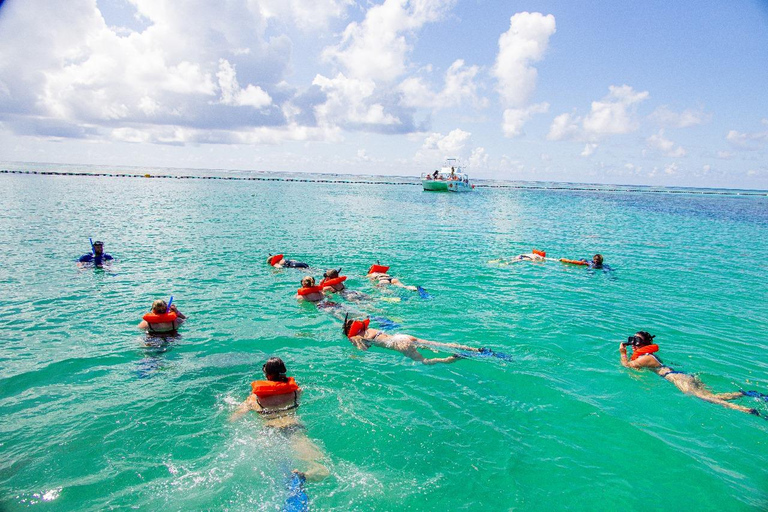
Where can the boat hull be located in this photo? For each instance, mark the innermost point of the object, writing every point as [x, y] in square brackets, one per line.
[445, 186]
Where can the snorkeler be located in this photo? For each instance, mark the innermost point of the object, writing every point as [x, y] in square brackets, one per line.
[278, 261]
[309, 291]
[379, 273]
[643, 350]
[277, 399]
[534, 255]
[162, 319]
[97, 256]
[332, 281]
[597, 261]
[364, 338]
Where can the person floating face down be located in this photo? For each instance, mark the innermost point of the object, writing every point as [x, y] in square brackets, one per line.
[276, 399]
[309, 291]
[278, 261]
[97, 257]
[332, 281]
[643, 357]
[162, 319]
[363, 337]
[379, 274]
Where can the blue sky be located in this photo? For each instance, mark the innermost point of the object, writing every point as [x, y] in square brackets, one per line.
[658, 93]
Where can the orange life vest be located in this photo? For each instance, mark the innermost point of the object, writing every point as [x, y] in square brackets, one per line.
[574, 262]
[334, 281]
[358, 327]
[154, 318]
[262, 388]
[274, 260]
[539, 253]
[641, 351]
[378, 268]
[310, 289]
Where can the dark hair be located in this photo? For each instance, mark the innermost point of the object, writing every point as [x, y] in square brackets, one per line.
[332, 273]
[98, 242]
[646, 337]
[275, 367]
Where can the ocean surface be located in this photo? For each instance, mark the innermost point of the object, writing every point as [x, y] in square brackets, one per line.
[94, 415]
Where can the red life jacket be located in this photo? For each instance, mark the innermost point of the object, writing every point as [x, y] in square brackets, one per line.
[262, 388]
[154, 318]
[274, 260]
[539, 253]
[334, 281]
[378, 268]
[310, 289]
[641, 351]
[358, 327]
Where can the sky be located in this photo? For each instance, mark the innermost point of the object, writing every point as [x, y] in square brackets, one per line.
[624, 92]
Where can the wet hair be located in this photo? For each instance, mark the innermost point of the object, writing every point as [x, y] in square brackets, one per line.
[309, 280]
[331, 273]
[275, 368]
[646, 337]
[599, 258]
[97, 243]
[159, 307]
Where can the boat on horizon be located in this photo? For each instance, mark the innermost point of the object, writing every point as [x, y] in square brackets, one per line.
[450, 178]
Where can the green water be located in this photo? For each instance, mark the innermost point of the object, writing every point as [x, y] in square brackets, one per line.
[91, 418]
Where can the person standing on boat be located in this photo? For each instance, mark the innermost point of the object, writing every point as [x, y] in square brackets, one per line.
[643, 357]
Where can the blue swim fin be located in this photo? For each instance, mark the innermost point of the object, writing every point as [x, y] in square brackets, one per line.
[755, 394]
[385, 323]
[485, 352]
[423, 293]
[297, 500]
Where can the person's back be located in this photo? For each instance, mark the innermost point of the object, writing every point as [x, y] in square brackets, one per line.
[162, 319]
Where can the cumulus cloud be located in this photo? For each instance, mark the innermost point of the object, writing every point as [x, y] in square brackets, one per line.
[523, 44]
[615, 114]
[314, 15]
[515, 118]
[460, 87]
[589, 149]
[665, 146]
[348, 103]
[456, 144]
[749, 141]
[377, 48]
[232, 94]
[690, 117]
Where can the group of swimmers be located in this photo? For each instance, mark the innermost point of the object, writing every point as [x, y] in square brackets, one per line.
[277, 396]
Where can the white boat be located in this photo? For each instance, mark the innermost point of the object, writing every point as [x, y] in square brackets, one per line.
[451, 178]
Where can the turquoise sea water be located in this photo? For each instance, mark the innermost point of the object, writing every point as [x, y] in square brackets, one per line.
[91, 418]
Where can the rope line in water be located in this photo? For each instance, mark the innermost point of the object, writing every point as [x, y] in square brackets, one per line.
[360, 182]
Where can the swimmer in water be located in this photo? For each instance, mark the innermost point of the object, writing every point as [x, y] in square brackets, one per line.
[379, 274]
[534, 255]
[97, 257]
[364, 338]
[279, 262]
[334, 283]
[643, 356]
[597, 261]
[162, 319]
[309, 291]
[277, 399]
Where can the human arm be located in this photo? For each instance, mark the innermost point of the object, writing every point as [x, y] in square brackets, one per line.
[143, 325]
[250, 404]
[574, 262]
[358, 342]
[179, 314]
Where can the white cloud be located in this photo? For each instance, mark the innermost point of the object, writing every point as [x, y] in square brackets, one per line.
[376, 48]
[313, 15]
[671, 169]
[478, 159]
[666, 117]
[347, 102]
[614, 113]
[724, 154]
[750, 141]
[522, 45]
[460, 87]
[666, 146]
[456, 144]
[232, 94]
[589, 149]
[515, 118]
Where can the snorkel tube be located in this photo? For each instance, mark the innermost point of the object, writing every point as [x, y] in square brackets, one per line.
[93, 249]
[170, 301]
